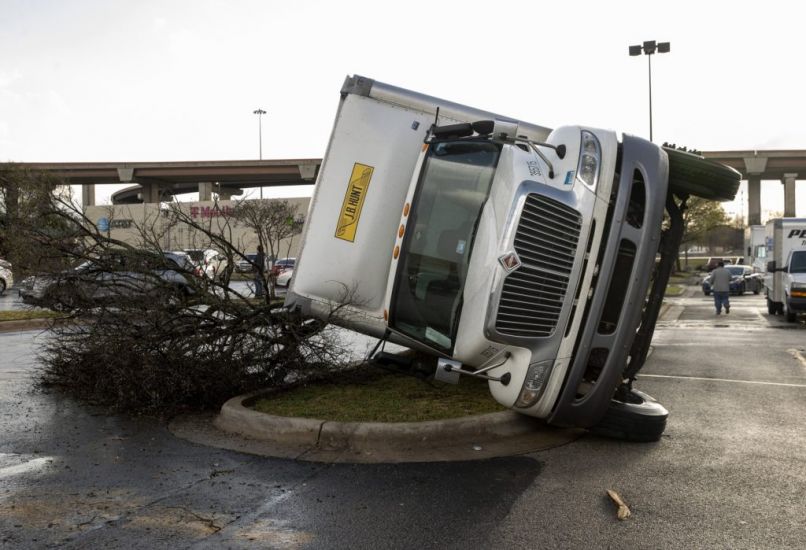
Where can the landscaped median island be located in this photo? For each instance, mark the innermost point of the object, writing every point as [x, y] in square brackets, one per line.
[19, 320]
[378, 396]
[27, 315]
[372, 415]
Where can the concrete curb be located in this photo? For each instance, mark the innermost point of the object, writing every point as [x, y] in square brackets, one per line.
[475, 437]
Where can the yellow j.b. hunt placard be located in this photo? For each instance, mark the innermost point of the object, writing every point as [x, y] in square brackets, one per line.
[353, 202]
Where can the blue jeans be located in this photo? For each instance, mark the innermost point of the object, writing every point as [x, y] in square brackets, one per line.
[721, 299]
[259, 290]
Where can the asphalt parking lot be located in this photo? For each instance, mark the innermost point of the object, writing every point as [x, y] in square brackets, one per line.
[728, 472]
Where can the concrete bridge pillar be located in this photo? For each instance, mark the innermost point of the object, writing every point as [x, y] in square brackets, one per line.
[754, 200]
[206, 190]
[87, 195]
[151, 193]
[754, 167]
[789, 194]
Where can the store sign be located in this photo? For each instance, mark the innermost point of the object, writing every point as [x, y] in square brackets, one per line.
[105, 224]
[211, 212]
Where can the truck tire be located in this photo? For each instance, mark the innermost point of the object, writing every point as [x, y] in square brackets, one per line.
[790, 315]
[770, 306]
[2, 286]
[639, 419]
[692, 174]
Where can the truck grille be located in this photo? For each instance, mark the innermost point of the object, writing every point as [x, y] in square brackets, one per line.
[546, 242]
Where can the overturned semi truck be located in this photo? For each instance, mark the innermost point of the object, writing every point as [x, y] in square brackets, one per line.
[515, 253]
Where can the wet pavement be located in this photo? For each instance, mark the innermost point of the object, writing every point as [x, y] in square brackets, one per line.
[729, 471]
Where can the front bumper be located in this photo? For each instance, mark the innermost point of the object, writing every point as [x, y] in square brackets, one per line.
[613, 314]
[796, 303]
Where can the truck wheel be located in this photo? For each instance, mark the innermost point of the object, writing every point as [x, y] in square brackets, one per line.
[692, 174]
[788, 313]
[2, 286]
[639, 418]
[770, 306]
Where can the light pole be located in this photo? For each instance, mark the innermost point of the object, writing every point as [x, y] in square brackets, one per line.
[260, 112]
[649, 48]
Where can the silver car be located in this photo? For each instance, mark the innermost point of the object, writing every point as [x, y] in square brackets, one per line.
[116, 276]
[6, 277]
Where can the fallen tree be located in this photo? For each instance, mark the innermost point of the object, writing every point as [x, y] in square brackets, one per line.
[145, 332]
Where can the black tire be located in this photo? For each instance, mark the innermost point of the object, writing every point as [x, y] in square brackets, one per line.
[2, 286]
[790, 315]
[692, 174]
[706, 293]
[640, 419]
[757, 289]
[770, 306]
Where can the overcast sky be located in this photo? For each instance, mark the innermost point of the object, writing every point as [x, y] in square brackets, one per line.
[100, 80]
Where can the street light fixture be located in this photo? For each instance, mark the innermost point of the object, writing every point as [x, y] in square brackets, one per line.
[649, 48]
[260, 112]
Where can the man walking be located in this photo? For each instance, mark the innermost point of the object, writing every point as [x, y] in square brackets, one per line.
[720, 283]
[258, 267]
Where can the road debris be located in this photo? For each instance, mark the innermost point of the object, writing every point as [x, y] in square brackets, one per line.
[623, 510]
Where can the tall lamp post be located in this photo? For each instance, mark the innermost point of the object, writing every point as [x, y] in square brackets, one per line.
[649, 48]
[260, 112]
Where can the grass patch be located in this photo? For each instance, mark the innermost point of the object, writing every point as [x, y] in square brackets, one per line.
[25, 314]
[383, 398]
[674, 290]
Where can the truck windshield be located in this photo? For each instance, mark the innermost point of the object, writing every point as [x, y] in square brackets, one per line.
[453, 187]
[798, 263]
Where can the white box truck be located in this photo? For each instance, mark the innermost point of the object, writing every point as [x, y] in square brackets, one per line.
[785, 277]
[512, 252]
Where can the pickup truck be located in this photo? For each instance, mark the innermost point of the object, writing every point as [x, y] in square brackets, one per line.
[510, 251]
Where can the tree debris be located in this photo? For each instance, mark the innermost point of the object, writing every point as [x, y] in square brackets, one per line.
[623, 510]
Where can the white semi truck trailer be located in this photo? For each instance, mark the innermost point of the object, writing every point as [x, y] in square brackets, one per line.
[785, 277]
[512, 252]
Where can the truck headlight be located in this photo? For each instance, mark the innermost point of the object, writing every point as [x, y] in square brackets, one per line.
[536, 378]
[590, 156]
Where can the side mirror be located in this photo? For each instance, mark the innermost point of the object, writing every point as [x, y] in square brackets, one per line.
[771, 267]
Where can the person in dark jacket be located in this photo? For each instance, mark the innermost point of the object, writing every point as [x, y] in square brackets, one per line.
[258, 268]
[720, 283]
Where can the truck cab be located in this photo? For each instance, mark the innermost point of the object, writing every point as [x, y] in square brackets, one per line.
[512, 252]
[794, 285]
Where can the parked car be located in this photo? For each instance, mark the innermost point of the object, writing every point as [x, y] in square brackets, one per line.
[246, 265]
[208, 262]
[114, 276]
[281, 265]
[742, 280]
[284, 278]
[6, 277]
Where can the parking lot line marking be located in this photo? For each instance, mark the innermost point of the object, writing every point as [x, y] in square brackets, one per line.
[722, 380]
[29, 466]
